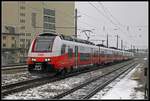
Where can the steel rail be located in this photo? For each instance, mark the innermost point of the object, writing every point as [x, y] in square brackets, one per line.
[13, 68]
[85, 83]
[100, 87]
[20, 86]
[13, 65]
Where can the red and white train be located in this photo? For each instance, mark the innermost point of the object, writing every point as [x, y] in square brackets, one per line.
[51, 52]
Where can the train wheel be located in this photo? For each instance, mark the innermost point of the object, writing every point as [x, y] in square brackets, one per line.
[71, 69]
[58, 72]
[63, 72]
[68, 70]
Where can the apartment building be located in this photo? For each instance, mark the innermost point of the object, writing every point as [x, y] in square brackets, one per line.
[29, 18]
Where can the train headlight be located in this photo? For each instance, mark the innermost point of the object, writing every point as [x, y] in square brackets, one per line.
[47, 59]
[33, 59]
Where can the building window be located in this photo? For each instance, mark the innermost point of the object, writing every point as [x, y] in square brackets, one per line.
[49, 12]
[23, 34]
[28, 34]
[22, 14]
[22, 40]
[49, 19]
[27, 40]
[22, 45]
[4, 45]
[4, 37]
[28, 43]
[22, 27]
[49, 26]
[22, 7]
[12, 45]
[22, 20]
[46, 26]
[33, 19]
[12, 38]
[10, 29]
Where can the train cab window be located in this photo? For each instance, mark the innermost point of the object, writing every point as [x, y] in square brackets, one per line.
[63, 49]
[70, 52]
[44, 43]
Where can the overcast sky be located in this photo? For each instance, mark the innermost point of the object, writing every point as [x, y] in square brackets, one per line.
[112, 18]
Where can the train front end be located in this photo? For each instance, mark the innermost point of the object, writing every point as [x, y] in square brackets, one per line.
[41, 53]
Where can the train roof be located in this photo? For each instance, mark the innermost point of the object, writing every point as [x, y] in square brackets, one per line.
[101, 45]
[70, 38]
[47, 34]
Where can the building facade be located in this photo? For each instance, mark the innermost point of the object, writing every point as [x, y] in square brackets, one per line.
[10, 48]
[31, 18]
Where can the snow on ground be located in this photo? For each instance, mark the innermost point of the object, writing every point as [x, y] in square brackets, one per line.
[13, 78]
[46, 91]
[121, 89]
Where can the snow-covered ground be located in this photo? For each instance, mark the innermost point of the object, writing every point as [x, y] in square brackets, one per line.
[51, 89]
[121, 89]
[13, 78]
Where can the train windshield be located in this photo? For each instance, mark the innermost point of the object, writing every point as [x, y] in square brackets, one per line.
[44, 43]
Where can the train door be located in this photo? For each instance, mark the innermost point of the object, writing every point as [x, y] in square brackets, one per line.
[76, 56]
[70, 55]
[91, 55]
[99, 55]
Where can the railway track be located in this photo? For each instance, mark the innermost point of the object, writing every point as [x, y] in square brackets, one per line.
[94, 85]
[21, 86]
[11, 65]
[14, 68]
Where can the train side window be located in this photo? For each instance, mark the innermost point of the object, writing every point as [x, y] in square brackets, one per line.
[102, 52]
[70, 52]
[84, 56]
[96, 53]
[63, 49]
